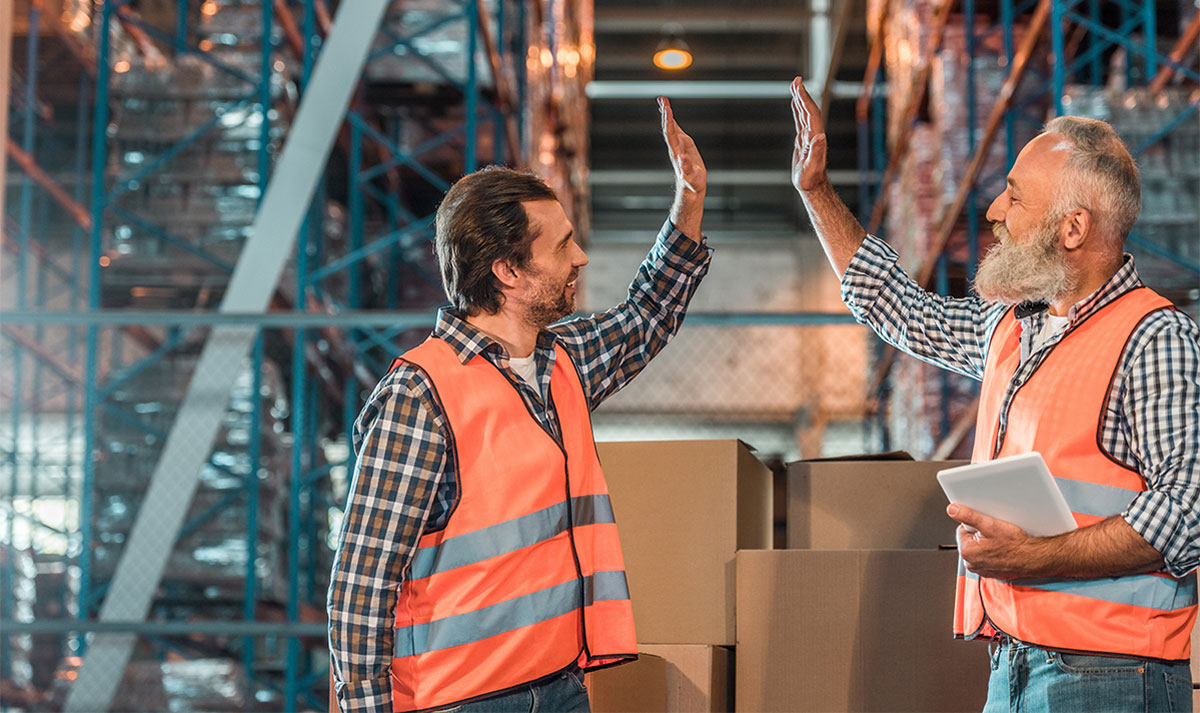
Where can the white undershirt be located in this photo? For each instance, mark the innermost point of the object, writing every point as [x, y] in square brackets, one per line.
[1052, 327]
[526, 369]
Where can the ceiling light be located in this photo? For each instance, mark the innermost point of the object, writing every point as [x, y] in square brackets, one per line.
[673, 52]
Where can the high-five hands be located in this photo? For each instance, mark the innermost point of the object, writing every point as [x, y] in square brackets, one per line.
[691, 177]
[808, 157]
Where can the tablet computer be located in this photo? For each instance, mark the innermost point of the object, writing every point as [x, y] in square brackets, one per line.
[1018, 489]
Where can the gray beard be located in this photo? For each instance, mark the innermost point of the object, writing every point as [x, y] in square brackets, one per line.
[1035, 270]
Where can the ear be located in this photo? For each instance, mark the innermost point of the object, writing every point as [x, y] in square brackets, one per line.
[505, 272]
[1076, 228]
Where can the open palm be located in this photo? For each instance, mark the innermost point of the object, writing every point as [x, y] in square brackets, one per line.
[808, 157]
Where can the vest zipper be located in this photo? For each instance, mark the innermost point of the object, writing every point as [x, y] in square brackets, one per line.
[571, 526]
[567, 485]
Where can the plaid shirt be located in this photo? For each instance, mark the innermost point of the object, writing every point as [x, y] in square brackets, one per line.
[1151, 422]
[405, 481]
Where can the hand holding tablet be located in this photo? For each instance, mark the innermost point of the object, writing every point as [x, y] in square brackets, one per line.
[1018, 489]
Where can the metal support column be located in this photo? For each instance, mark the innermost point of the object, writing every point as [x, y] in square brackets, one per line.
[190, 440]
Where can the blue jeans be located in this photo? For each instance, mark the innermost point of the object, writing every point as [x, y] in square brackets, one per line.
[1027, 679]
[565, 693]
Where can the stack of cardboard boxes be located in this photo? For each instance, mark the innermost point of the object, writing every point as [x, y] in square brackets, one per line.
[856, 614]
[684, 509]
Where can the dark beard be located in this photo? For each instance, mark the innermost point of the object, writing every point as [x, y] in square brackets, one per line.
[544, 312]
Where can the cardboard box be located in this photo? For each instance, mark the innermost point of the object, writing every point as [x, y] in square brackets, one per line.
[699, 678]
[636, 687]
[867, 504]
[853, 630]
[1196, 656]
[695, 679]
[683, 509]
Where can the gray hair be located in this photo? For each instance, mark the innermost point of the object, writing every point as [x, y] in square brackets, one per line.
[1100, 176]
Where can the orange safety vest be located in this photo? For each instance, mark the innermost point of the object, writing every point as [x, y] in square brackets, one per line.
[1057, 413]
[527, 576]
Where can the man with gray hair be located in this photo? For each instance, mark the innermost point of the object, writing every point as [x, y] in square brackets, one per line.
[1079, 362]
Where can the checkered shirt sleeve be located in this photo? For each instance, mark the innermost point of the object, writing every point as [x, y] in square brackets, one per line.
[1153, 425]
[612, 347]
[951, 333]
[1151, 421]
[402, 452]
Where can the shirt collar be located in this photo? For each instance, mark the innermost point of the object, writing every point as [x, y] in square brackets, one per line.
[1122, 281]
[469, 341]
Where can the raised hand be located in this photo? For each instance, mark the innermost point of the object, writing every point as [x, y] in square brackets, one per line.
[691, 177]
[690, 172]
[808, 157]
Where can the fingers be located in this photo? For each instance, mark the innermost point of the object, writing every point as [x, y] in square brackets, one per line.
[796, 107]
[971, 519]
[669, 126]
[804, 109]
[677, 141]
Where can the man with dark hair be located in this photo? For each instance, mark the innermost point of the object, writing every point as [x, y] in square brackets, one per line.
[1079, 362]
[478, 565]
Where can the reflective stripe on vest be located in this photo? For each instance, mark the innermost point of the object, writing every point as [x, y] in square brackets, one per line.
[489, 542]
[1057, 412]
[509, 615]
[527, 575]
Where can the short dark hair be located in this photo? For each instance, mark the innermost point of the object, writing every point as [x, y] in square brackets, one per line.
[479, 221]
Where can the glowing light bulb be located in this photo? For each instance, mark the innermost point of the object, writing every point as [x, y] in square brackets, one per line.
[672, 58]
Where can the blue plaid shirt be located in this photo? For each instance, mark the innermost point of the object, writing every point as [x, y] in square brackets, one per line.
[1151, 421]
[404, 479]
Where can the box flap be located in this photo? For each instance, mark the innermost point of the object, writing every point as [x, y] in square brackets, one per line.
[891, 455]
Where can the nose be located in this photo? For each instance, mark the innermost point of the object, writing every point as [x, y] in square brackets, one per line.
[998, 209]
[581, 257]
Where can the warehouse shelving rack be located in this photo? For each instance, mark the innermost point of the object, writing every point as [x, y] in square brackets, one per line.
[1082, 34]
[330, 276]
[39, 455]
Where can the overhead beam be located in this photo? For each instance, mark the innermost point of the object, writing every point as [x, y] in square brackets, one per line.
[272, 240]
[683, 89]
[742, 177]
[650, 20]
